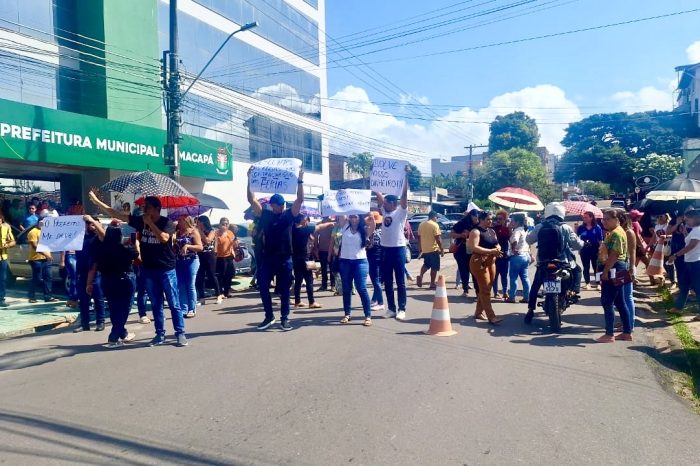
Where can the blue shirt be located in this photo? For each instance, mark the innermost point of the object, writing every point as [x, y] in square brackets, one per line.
[592, 237]
[30, 221]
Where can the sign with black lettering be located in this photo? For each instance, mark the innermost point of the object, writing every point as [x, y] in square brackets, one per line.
[346, 202]
[275, 176]
[388, 176]
[63, 233]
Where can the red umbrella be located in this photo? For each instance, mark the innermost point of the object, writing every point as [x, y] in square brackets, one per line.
[170, 202]
[580, 208]
[517, 198]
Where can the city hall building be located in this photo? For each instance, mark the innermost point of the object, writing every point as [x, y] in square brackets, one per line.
[81, 97]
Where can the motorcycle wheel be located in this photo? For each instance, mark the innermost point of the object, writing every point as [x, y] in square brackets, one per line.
[551, 307]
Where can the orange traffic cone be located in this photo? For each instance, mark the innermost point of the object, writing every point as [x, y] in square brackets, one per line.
[440, 324]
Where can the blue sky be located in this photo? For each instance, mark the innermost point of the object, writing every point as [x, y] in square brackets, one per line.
[628, 67]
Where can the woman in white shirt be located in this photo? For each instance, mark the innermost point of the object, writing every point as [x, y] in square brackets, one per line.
[519, 258]
[690, 279]
[353, 263]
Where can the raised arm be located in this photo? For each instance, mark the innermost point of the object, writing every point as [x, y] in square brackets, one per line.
[324, 226]
[99, 229]
[370, 225]
[107, 209]
[254, 203]
[296, 207]
[380, 200]
[404, 193]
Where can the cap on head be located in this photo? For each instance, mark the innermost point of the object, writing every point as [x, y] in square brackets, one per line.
[391, 198]
[277, 199]
[432, 214]
[555, 209]
[635, 214]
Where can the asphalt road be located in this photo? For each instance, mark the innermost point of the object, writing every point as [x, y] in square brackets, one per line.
[326, 394]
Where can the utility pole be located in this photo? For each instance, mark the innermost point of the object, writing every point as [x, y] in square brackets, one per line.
[470, 182]
[171, 83]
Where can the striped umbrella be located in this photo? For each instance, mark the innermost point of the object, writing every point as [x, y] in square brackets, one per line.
[517, 198]
[580, 208]
[147, 183]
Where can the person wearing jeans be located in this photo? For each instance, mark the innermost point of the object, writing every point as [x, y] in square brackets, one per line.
[628, 288]
[690, 279]
[275, 226]
[519, 259]
[68, 263]
[141, 298]
[394, 213]
[374, 261]
[302, 235]
[323, 242]
[188, 243]
[158, 258]
[353, 264]
[40, 262]
[84, 260]
[613, 258]
[592, 235]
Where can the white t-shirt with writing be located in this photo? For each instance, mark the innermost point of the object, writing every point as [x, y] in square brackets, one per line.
[351, 246]
[392, 227]
[518, 243]
[694, 254]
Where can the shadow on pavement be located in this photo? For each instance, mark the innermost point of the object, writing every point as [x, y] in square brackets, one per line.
[40, 356]
[54, 440]
[676, 360]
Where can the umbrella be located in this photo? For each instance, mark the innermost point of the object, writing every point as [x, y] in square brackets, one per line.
[309, 211]
[651, 207]
[147, 183]
[580, 208]
[248, 213]
[212, 202]
[517, 198]
[192, 211]
[678, 189]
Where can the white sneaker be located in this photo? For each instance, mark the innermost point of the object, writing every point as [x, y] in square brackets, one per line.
[377, 307]
[219, 299]
[401, 315]
[144, 320]
[390, 314]
[129, 337]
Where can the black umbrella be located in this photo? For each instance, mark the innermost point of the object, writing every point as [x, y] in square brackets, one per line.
[651, 207]
[680, 188]
[147, 183]
[210, 201]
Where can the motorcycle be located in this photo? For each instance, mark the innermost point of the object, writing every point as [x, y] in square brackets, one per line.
[558, 294]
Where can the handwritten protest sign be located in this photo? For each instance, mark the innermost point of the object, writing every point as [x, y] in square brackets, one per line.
[346, 202]
[388, 176]
[62, 234]
[275, 176]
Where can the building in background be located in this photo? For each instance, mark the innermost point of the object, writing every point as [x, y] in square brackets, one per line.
[81, 98]
[459, 163]
[688, 101]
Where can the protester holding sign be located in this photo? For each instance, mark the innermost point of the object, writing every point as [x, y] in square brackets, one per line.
[40, 263]
[276, 261]
[393, 242]
[84, 260]
[388, 176]
[274, 175]
[353, 263]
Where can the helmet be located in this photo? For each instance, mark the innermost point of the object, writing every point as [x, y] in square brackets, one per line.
[555, 209]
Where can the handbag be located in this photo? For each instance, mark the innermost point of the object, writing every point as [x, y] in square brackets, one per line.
[313, 266]
[622, 277]
[454, 247]
[666, 250]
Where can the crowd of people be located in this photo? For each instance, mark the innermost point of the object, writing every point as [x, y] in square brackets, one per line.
[143, 255]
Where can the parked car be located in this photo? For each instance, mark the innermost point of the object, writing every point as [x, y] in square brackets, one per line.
[455, 217]
[618, 204]
[244, 267]
[445, 235]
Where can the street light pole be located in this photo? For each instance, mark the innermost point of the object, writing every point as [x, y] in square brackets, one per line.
[171, 83]
[470, 183]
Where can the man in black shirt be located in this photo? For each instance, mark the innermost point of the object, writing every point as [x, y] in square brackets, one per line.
[276, 259]
[460, 234]
[158, 259]
[84, 260]
[301, 235]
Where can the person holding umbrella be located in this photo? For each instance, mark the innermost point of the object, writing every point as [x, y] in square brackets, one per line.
[276, 258]
[158, 257]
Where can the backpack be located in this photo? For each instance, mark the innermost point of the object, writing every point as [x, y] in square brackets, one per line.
[551, 242]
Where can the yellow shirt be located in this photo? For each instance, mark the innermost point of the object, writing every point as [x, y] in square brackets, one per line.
[427, 231]
[5, 237]
[34, 235]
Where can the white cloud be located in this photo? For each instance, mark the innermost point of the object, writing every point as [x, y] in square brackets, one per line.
[286, 96]
[645, 99]
[439, 139]
[412, 99]
[693, 52]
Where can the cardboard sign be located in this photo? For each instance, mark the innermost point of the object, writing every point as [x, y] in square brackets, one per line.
[62, 234]
[388, 176]
[275, 176]
[346, 202]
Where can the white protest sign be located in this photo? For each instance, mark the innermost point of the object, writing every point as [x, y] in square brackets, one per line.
[62, 234]
[275, 176]
[388, 176]
[346, 202]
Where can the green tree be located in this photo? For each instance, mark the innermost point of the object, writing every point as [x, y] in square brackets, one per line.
[415, 178]
[515, 167]
[596, 188]
[598, 163]
[664, 167]
[515, 130]
[361, 163]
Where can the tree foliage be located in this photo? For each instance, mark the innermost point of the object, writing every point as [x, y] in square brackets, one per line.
[514, 167]
[515, 130]
[596, 188]
[664, 167]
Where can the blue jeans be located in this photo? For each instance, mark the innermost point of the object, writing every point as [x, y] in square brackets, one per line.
[613, 296]
[84, 300]
[41, 277]
[627, 294]
[72, 277]
[186, 270]
[502, 272]
[689, 280]
[281, 269]
[394, 265]
[140, 290]
[518, 268]
[159, 282]
[374, 261]
[119, 291]
[355, 271]
[3, 279]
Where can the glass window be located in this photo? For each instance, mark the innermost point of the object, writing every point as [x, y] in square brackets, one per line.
[253, 137]
[34, 16]
[28, 81]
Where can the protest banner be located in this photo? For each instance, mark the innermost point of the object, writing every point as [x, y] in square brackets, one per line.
[388, 176]
[275, 176]
[62, 234]
[346, 202]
